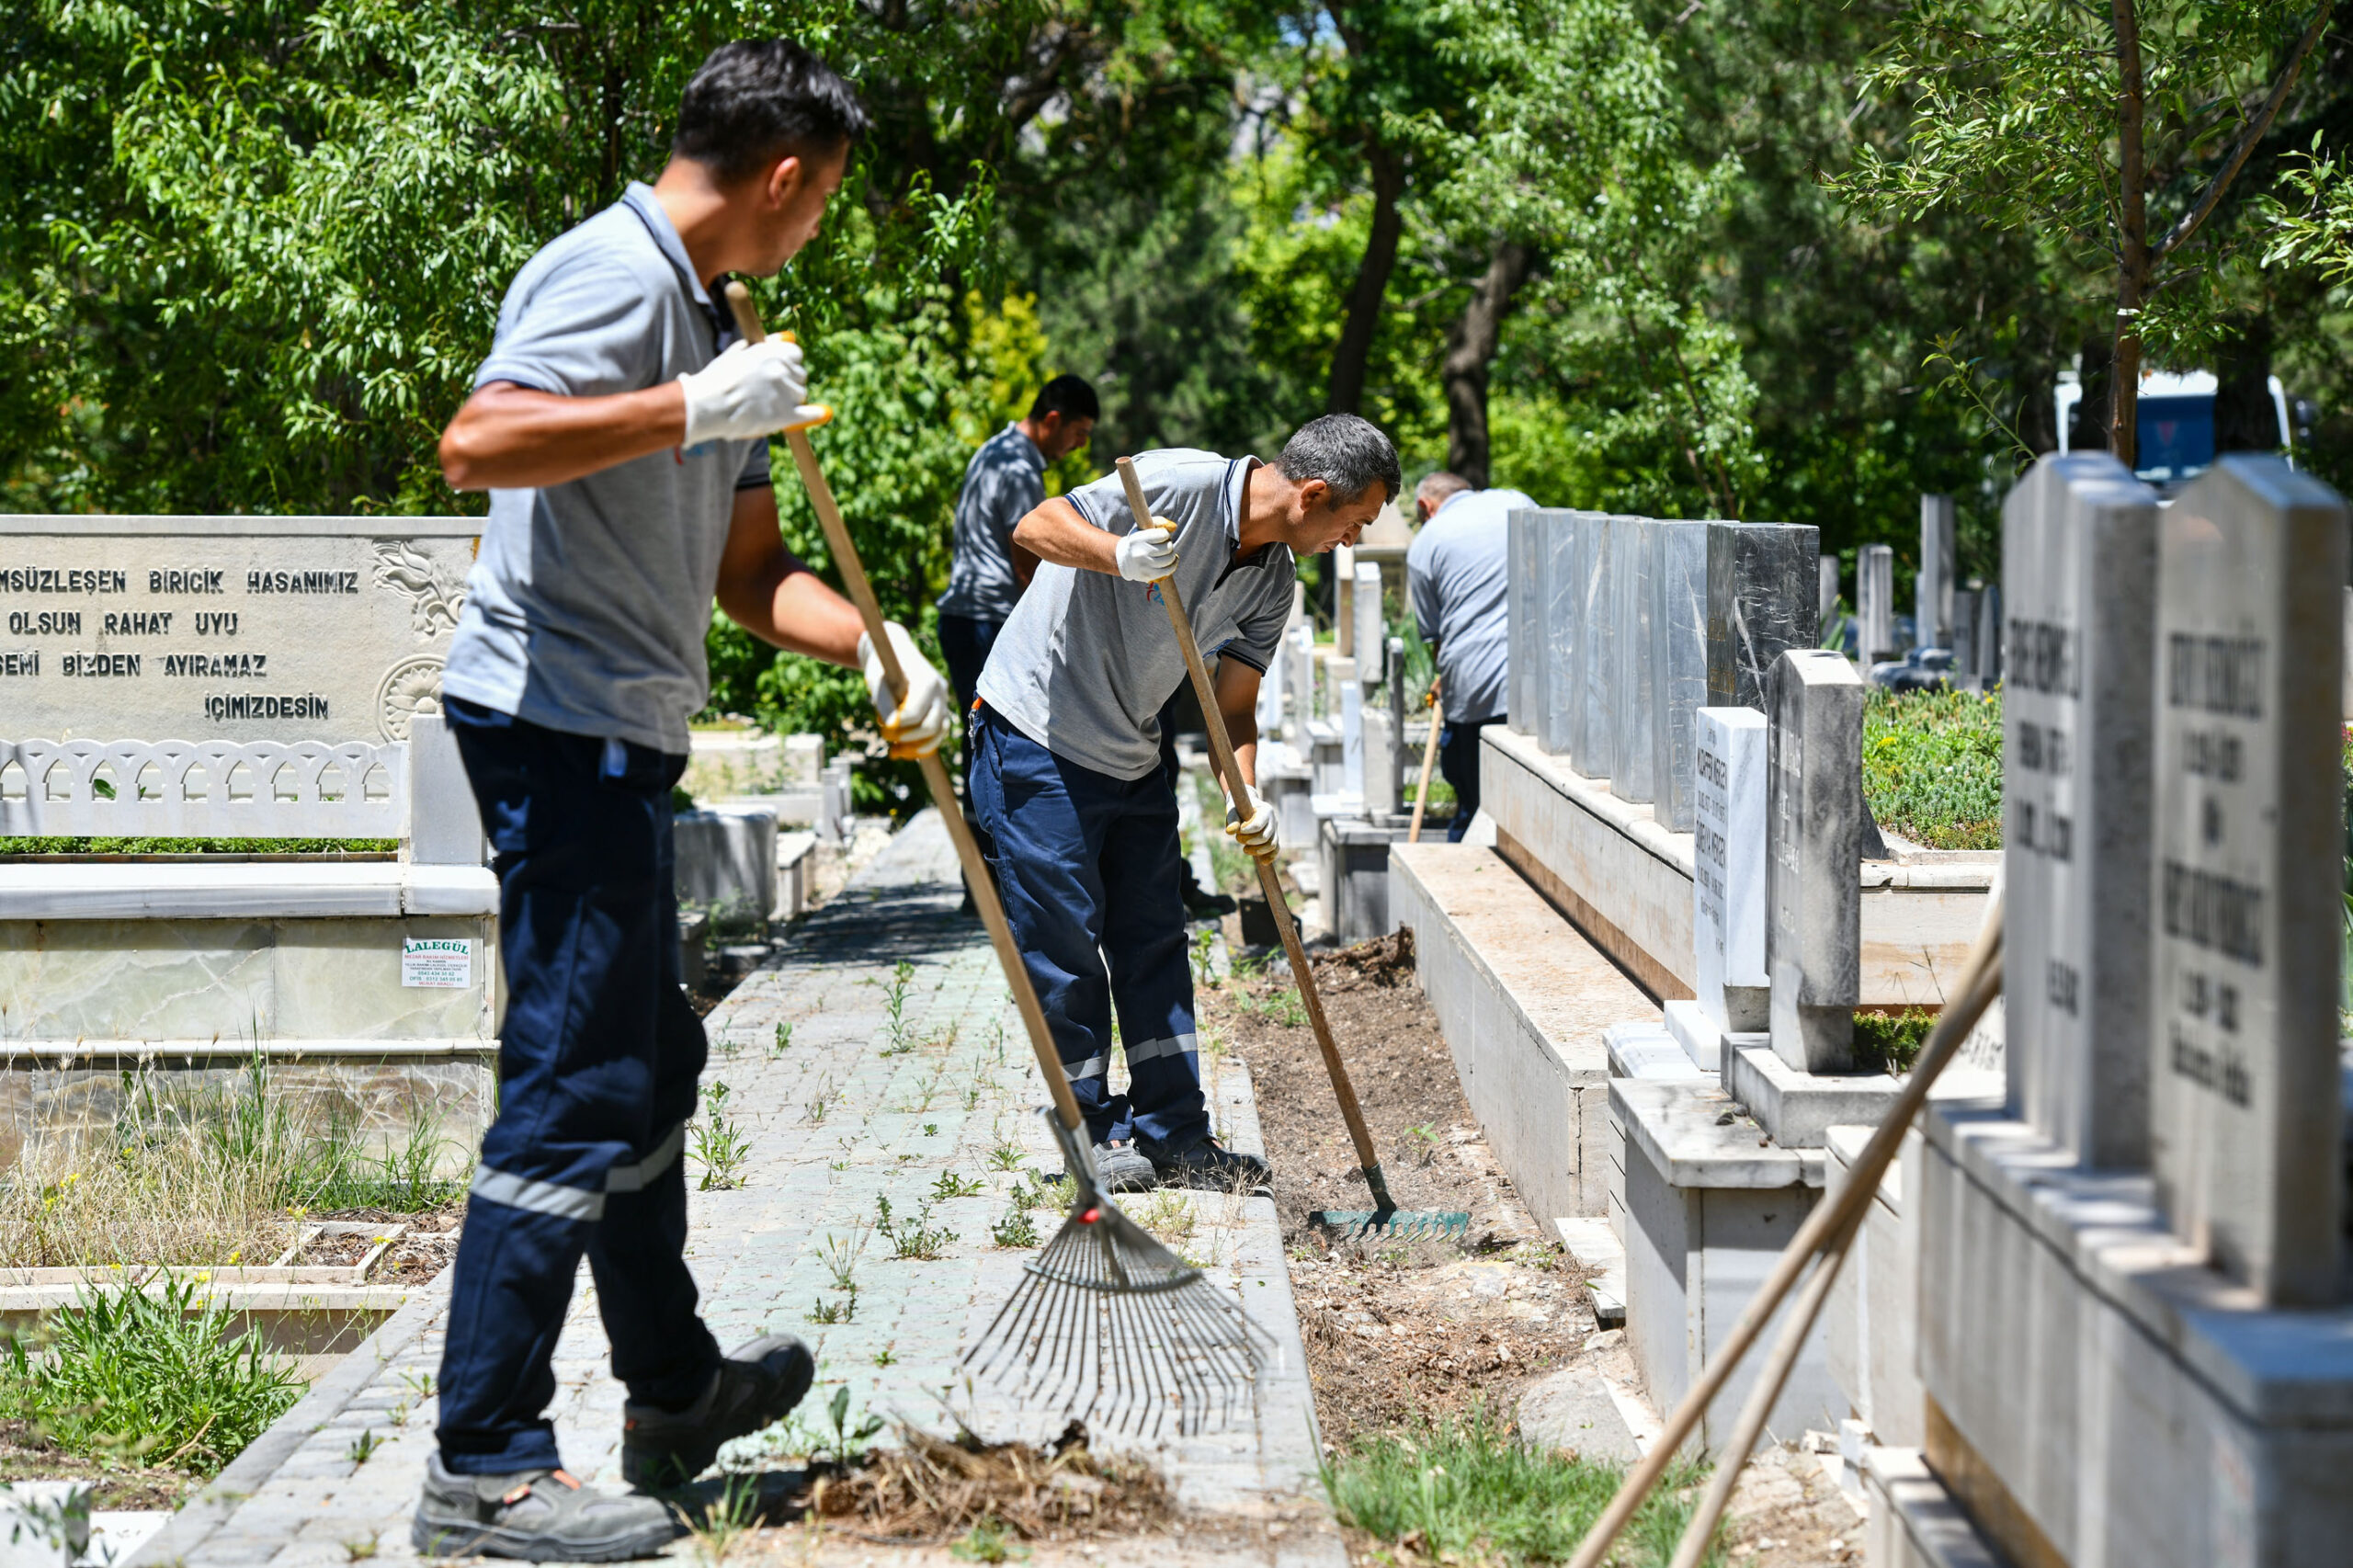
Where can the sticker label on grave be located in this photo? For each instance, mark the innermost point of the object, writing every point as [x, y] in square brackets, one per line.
[244, 629]
[439, 963]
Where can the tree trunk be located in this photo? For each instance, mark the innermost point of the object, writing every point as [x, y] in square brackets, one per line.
[1355, 348]
[2133, 248]
[2087, 426]
[1470, 349]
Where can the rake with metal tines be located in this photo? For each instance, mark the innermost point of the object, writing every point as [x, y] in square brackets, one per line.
[1113, 1327]
[1107, 1323]
[1385, 1217]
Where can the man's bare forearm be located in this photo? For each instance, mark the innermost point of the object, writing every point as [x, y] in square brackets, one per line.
[1056, 532]
[792, 607]
[511, 438]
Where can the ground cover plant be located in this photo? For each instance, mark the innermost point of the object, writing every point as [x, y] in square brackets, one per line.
[1466, 1490]
[85, 846]
[1891, 1041]
[1932, 765]
[149, 1377]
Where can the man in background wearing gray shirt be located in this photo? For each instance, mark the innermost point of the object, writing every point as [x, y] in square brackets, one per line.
[621, 429]
[1455, 574]
[1065, 762]
[1005, 483]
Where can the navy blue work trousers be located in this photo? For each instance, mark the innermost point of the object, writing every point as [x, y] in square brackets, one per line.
[1087, 867]
[1458, 764]
[598, 1060]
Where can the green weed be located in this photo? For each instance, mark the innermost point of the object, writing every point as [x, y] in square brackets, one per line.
[950, 1185]
[783, 1041]
[988, 1541]
[827, 1311]
[363, 1447]
[1891, 1041]
[1043, 1192]
[1006, 1157]
[718, 1144]
[1932, 765]
[1469, 1492]
[894, 1007]
[915, 1238]
[1017, 1232]
[159, 1378]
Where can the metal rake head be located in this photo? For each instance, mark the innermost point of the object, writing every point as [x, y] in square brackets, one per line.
[1402, 1225]
[1112, 1328]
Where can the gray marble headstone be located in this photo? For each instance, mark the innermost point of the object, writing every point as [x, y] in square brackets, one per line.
[1964, 636]
[1519, 603]
[236, 628]
[1932, 611]
[2247, 905]
[1874, 603]
[1555, 689]
[1592, 736]
[1829, 570]
[1989, 634]
[1814, 832]
[2079, 537]
[1728, 856]
[1678, 631]
[1763, 598]
[1372, 628]
[1633, 702]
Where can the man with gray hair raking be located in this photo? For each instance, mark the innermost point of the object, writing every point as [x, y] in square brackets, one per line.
[1455, 573]
[1065, 767]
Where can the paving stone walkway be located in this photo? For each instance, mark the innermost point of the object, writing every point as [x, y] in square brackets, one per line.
[877, 1055]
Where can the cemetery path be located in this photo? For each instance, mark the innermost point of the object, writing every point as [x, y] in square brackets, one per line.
[875, 1060]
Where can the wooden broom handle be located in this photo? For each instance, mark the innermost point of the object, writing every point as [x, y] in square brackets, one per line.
[1429, 756]
[1230, 774]
[935, 772]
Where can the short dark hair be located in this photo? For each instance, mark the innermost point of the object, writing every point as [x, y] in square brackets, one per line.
[761, 99]
[1439, 486]
[1068, 397]
[1344, 451]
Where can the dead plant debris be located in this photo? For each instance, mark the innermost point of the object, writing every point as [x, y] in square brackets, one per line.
[928, 1491]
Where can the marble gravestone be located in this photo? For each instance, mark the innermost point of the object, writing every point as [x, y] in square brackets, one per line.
[1813, 846]
[1556, 627]
[1763, 598]
[1728, 855]
[1632, 779]
[1592, 735]
[1371, 629]
[2244, 1101]
[1828, 566]
[2079, 537]
[1298, 675]
[1678, 633]
[1340, 573]
[1933, 609]
[1874, 603]
[1351, 707]
[1964, 636]
[244, 629]
[1989, 635]
[1519, 628]
[1269, 709]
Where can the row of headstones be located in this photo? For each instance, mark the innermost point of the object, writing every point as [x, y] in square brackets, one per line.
[2174, 848]
[1964, 622]
[1623, 628]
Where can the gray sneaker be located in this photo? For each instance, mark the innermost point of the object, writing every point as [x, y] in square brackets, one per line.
[755, 1386]
[539, 1516]
[1122, 1167]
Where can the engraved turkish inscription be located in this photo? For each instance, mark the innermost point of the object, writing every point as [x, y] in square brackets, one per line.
[309, 628]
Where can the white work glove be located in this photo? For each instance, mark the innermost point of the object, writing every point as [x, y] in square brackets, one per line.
[1259, 832]
[1146, 555]
[754, 389]
[913, 727]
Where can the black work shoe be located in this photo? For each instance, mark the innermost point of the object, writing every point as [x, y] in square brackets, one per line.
[539, 1516]
[1206, 1165]
[755, 1386]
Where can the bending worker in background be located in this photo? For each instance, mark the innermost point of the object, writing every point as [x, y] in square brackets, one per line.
[1456, 574]
[621, 429]
[1065, 764]
[1005, 483]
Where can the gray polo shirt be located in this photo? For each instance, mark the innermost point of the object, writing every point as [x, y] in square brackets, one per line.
[1455, 573]
[587, 610]
[1087, 658]
[1005, 483]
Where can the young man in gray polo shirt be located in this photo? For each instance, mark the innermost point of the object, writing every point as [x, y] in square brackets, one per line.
[622, 432]
[1065, 755]
[1455, 574]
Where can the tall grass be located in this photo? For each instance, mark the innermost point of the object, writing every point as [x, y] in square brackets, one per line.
[208, 1178]
[1467, 1491]
[153, 1379]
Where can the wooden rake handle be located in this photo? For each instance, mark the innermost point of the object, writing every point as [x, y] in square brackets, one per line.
[1269, 884]
[1429, 757]
[935, 772]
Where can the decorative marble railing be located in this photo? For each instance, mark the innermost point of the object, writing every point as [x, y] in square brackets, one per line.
[204, 789]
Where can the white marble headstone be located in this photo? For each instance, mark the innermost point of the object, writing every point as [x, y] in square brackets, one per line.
[248, 627]
[2247, 1108]
[1728, 889]
[1372, 631]
[1593, 739]
[1633, 700]
[1874, 603]
[1678, 633]
[2079, 537]
[1520, 604]
[1813, 815]
[1932, 612]
[1559, 691]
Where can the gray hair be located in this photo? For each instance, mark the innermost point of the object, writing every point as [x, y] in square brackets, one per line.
[1345, 452]
[1435, 488]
